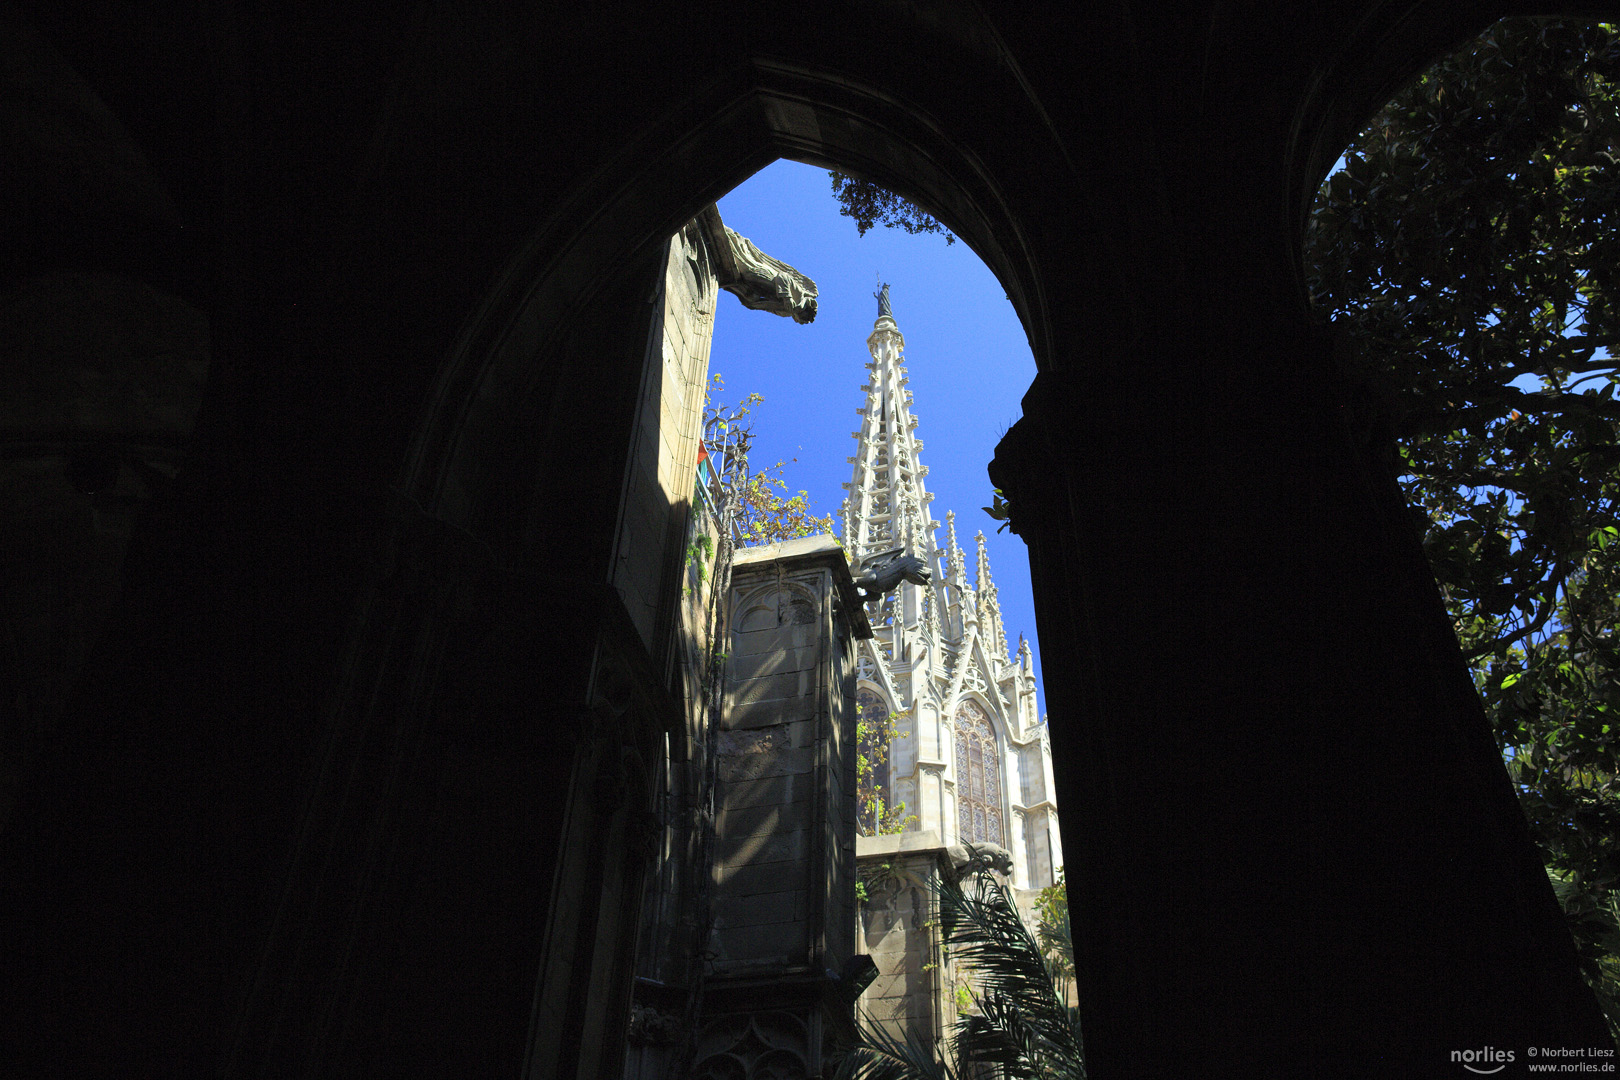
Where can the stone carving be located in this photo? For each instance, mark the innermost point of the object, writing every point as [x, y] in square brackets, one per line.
[882, 295]
[767, 284]
[649, 1027]
[881, 573]
[753, 277]
[795, 611]
[970, 858]
[761, 1046]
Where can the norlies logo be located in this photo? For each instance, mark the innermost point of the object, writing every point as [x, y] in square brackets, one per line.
[1484, 1056]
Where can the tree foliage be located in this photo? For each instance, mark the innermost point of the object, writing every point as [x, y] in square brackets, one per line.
[1469, 255]
[873, 815]
[755, 505]
[1053, 931]
[872, 205]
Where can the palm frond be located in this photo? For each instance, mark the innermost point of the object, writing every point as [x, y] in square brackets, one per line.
[1022, 1028]
[983, 928]
[882, 1056]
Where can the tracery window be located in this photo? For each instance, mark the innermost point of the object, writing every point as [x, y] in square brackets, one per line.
[978, 777]
[872, 790]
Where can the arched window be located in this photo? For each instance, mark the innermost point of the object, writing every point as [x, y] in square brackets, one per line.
[872, 783]
[978, 777]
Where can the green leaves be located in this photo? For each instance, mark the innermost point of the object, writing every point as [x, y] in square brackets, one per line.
[875, 732]
[1014, 1018]
[999, 508]
[757, 511]
[1022, 1025]
[872, 205]
[1469, 257]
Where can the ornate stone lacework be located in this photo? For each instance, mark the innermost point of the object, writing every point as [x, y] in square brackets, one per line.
[762, 1046]
[978, 777]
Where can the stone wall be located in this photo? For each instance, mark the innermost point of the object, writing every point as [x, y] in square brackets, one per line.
[783, 871]
[784, 826]
[898, 926]
[668, 429]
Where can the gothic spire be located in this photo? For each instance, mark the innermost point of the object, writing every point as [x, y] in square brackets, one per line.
[988, 603]
[887, 505]
[981, 577]
[955, 570]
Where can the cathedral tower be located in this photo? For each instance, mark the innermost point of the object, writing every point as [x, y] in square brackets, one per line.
[970, 761]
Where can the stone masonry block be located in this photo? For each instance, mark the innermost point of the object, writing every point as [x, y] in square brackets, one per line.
[755, 741]
[767, 791]
[900, 961]
[804, 732]
[784, 942]
[789, 684]
[758, 766]
[771, 713]
[759, 909]
[775, 639]
[760, 848]
[760, 820]
[756, 665]
[749, 879]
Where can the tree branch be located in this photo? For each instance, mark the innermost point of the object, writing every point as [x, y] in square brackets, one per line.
[1544, 613]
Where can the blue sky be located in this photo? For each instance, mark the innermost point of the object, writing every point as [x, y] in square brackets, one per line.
[966, 353]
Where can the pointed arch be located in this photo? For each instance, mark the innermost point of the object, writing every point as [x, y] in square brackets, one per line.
[873, 789]
[732, 126]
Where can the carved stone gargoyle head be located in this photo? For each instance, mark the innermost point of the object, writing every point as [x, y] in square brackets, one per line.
[760, 281]
[970, 858]
[883, 572]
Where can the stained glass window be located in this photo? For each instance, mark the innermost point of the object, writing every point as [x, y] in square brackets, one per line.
[978, 777]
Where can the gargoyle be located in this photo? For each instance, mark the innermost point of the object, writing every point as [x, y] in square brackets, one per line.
[972, 857]
[767, 284]
[759, 281]
[881, 573]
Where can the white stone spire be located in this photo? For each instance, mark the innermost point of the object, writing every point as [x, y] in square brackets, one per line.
[887, 505]
[967, 746]
[955, 568]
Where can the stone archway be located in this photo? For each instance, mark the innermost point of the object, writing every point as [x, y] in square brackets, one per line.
[356, 846]
[549, 364]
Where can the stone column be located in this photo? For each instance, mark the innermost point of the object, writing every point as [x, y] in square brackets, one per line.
[783, 885]
[1291, 843]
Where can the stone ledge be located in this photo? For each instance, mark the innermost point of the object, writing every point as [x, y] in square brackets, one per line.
[906, 843]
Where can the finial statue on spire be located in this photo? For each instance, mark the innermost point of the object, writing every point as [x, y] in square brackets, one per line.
[882, 296]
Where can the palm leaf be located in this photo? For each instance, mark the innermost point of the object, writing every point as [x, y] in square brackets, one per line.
[882, 1056]
[1023, 1026]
